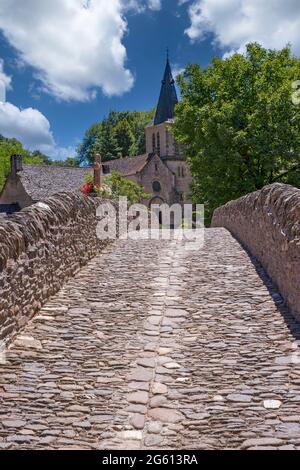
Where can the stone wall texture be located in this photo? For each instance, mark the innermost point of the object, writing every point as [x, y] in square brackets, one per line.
[40, 248]
[267, 222]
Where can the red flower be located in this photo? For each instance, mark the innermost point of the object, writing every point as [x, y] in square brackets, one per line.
[87, 188]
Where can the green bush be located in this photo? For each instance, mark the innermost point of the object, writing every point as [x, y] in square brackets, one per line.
[121, 186]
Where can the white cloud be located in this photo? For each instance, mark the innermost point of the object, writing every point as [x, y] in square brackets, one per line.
[28, 125]
[75, 48]
[238, 22]
[59, 153]
[140, 6]
[154, 5]
[74, 45]
[32, 129]
[177, 70]
[5, 82]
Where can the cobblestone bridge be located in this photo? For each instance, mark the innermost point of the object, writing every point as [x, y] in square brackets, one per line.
[155, 346]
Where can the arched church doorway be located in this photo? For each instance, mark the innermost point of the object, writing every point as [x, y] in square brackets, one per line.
[157, 201]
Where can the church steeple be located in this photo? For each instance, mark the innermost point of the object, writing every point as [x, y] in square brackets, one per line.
[167, 98]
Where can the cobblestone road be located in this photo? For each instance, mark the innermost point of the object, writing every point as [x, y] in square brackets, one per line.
[155, 346]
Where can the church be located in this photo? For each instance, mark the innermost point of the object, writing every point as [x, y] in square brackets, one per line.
[162, 171]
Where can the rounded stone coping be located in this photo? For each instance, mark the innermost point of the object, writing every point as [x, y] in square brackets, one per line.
[27, 227]
[279, 201]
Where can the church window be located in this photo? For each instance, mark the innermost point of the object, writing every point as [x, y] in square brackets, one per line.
[156, 186]
[179, 172]
[182, 172]
[158, 144]
[153, 142]
[156, 167]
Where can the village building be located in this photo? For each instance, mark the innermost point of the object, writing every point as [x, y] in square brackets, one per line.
[162, 171]
[28, 184]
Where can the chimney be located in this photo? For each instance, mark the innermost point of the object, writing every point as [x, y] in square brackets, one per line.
[97, 170]
[15, 165]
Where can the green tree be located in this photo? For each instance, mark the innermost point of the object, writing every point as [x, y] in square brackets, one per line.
[88, 146]
[70, 161]
[139, 120]
[121, 186]
[238, 124]
[125, 138]
[41, 157]
[106, 142]
[120, 134]
[99, 138]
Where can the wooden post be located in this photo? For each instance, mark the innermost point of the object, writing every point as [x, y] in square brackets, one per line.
[97, 170]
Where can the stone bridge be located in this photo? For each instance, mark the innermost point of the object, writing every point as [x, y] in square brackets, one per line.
[149, 344]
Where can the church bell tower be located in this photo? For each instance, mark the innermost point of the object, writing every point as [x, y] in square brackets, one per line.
[159, 139]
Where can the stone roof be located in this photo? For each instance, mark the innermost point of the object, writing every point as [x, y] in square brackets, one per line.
[41, 181]
[129, 165]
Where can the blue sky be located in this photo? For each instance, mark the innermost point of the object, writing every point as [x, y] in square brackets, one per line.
[66, 63]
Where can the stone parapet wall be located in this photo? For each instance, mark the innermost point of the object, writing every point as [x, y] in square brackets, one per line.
[40, 248]
[267, 222]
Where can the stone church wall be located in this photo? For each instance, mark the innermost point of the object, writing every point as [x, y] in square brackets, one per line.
[267, 222]
[40, 249]
[155, 170]
[183, 176]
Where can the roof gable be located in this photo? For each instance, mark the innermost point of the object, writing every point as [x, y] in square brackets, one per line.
[154, 158]
[129, 165]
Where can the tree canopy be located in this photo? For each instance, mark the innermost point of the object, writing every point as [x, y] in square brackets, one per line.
[119, 135]
[238, 124]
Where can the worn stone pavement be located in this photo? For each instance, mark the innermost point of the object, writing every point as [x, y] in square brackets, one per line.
[155, 346]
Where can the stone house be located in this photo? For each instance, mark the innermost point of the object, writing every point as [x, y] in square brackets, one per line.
[162, 171]
[27, 184]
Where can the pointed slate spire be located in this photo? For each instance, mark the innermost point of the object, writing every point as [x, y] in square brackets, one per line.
[167, 98]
